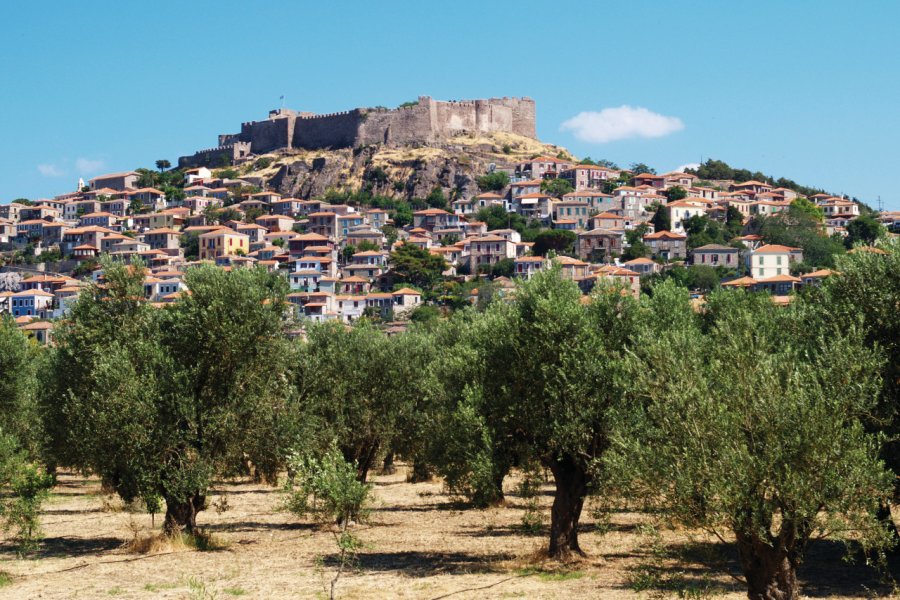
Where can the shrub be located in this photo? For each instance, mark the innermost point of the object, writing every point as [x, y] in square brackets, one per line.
[378, 175]
[493, 182]
[328, 488]
[263, 163]
[325, 487]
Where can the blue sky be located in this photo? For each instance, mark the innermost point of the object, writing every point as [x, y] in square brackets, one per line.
[802, 89]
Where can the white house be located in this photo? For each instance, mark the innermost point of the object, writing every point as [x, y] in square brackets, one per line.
[682, 210]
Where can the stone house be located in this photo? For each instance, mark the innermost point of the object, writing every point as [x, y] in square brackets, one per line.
[667, 245]
[299, 244]
[116, 206]
[585, 177]
[572, 210]
[376, 217]
[657, 181]
[99, 219]
[526, 266]
[487, 250]
[288, 207]
[599, 244]
[276, 222]
[598, 201]
[73, 210]
[716, 255]
[162, 239]
[348, 222]
[116, 181]
[542, 167]
[572, 268]
[752, 186]
[520, 188]
[606, 220]
[677, 178]
[405, 300]
[52, 233]
[532, 206]
[323, 223]
[435, 218]
[11, 211]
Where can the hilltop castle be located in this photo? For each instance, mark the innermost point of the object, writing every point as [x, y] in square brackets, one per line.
[427, 120]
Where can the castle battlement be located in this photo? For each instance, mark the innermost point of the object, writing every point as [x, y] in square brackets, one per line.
[328, 115]
[428, 120]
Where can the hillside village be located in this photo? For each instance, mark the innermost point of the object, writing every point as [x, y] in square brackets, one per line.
[368, 252]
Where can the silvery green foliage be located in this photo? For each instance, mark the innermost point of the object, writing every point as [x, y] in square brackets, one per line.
[325, 486]
[747, 423]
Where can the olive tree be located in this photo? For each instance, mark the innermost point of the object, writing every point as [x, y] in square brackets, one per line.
[161, 402]
[750, 428]
[24, 482]
[356, 384]
[551, 379]
[19, 361]
[459, 438]
[867, 285]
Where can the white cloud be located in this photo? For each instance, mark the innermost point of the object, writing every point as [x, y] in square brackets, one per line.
[621, 123]
[50, 171]
[87, 165]
[687, 166]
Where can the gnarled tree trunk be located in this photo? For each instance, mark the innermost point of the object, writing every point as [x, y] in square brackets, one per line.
[387, 467]
[420, 472]
[769, 572]
[363, 456]
[499, 476]
[181, 514]
[571, 488]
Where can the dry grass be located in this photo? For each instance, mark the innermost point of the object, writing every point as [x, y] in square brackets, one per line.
[155, 543]
[419, 543]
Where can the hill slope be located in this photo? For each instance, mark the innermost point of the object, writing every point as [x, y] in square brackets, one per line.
[410, 171]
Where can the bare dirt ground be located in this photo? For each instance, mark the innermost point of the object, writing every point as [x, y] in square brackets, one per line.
[419, 543]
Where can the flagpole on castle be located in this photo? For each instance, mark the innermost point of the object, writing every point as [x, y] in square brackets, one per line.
[282, 102]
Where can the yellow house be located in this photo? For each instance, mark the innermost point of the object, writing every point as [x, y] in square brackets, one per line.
[223, 242]
[772, 260]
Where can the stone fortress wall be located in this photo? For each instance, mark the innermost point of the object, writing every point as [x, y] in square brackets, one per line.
[428, 120]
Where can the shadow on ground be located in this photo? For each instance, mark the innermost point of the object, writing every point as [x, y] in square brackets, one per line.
[699, 567]
[519, 530]
[68, 547]
[425, 564]
[239, 526]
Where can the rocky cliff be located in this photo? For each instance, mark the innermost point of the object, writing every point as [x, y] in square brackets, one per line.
[397, 171]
